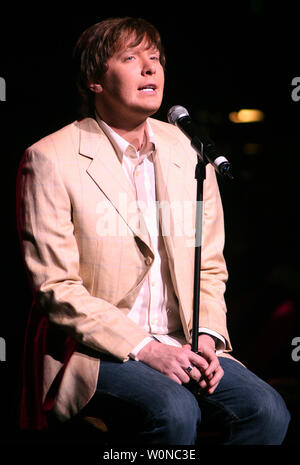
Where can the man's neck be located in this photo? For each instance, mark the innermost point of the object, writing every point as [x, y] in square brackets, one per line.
[132, 131]
[135, 136]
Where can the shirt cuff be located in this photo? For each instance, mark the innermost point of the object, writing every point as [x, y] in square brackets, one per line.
[143, 343]
[220, 342]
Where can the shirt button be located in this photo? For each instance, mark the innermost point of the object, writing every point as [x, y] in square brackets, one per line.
[153, 283]
[148, 261]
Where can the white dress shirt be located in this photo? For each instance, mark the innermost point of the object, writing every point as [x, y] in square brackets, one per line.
[156, 308]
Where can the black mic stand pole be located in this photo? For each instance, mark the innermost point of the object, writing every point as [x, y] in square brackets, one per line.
[199, 176]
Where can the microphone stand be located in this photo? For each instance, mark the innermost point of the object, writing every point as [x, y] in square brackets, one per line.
[200, 177]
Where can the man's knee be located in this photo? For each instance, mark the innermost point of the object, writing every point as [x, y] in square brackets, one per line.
[257, 414]
[270, 415]
[274, 415]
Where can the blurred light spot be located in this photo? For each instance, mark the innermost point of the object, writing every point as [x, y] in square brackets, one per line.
[246, 115]
[286, 309]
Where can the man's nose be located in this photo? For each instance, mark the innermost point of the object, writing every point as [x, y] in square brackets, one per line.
[149, 67]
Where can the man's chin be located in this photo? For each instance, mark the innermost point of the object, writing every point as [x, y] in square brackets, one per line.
[148, 110]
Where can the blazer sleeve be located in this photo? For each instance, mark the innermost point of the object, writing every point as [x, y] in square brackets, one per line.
[46, 232]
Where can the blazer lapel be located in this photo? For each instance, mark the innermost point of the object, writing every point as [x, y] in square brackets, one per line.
[106, 171]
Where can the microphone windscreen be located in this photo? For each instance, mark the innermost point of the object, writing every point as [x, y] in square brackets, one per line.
[176, 112]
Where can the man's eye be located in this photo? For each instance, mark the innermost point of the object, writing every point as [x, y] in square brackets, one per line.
[129, 58]
[154, 57]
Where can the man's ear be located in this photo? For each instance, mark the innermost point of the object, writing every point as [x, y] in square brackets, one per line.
[97, 88]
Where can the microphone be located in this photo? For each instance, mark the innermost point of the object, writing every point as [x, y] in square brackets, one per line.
[179, 116]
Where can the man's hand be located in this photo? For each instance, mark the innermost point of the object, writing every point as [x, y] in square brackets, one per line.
[173, 361]
[211, 375]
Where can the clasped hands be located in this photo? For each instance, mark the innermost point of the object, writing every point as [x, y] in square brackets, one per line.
[174, 361]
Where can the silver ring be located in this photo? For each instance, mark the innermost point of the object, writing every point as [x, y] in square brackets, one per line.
[189, 368]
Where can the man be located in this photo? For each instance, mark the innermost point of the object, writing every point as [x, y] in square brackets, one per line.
[103, 224]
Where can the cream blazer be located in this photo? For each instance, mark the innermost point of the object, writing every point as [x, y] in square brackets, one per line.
[87, 253]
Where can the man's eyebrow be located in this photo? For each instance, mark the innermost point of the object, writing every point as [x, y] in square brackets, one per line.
[124, 50]
[132, 47]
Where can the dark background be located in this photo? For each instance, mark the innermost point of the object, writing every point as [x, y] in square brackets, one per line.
[221, 57]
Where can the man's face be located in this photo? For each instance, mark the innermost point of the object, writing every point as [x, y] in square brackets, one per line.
[132, 86]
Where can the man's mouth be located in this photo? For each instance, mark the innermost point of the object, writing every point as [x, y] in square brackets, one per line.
[148, 88]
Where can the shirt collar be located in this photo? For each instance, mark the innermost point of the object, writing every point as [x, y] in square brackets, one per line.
[122, 146]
